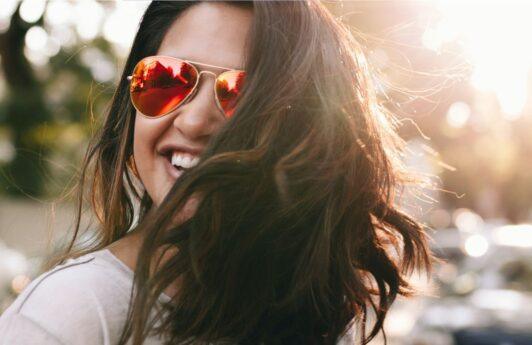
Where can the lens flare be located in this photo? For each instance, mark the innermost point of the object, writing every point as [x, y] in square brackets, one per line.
[494, 36]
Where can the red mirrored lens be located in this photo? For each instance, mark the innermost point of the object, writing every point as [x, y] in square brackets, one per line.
[228, 89]
[160, 84]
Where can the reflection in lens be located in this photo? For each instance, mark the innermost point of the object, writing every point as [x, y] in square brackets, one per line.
[228, 87]
[160, 84]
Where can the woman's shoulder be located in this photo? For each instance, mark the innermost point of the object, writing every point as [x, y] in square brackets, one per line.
[88, 278]
[85, 295]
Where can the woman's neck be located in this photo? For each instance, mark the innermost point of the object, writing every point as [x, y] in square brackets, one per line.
[127, 250]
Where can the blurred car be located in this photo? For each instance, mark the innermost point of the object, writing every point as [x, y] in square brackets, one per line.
[485, 291]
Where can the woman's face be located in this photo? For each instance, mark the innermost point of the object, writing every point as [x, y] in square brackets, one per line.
[211, 33]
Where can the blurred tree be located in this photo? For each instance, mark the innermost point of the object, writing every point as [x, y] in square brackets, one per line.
[25, 109]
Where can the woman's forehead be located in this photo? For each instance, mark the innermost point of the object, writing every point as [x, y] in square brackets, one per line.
[211, 33]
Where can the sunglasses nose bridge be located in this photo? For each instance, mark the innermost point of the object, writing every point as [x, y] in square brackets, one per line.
[196, 87]
[208, 72]
[199, 78]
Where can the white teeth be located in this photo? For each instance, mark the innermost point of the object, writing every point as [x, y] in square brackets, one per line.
[184, 160]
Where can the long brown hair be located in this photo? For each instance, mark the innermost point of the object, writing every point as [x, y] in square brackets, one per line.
[297, 236]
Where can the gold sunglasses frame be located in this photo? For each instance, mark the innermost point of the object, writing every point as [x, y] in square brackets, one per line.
[194, 88]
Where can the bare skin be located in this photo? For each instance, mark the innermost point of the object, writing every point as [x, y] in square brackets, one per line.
[211, 33]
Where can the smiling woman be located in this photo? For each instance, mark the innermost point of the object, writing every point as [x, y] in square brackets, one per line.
[246, 139]
[212, 35]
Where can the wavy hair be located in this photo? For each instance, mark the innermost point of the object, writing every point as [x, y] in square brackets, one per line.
[296, 237]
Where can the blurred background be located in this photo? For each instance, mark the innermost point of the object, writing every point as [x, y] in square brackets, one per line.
[456, 73]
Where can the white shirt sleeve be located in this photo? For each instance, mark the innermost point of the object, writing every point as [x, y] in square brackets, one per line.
[18, 329]
[61, 306]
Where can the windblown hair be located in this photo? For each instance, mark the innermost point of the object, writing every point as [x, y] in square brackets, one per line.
[297, 236]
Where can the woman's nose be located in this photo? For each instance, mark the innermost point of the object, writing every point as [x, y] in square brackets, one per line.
[199, 116]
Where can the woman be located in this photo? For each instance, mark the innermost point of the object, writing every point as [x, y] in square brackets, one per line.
[244, 182]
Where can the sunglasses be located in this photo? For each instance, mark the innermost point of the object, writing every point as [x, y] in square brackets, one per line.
[160, 84]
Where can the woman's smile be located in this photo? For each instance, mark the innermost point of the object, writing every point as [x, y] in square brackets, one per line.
[173, 171]
[177, 162]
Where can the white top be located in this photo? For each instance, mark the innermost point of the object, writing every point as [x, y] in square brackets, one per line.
[83, 301]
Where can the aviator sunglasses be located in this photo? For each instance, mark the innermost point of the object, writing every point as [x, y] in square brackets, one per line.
[160, 84]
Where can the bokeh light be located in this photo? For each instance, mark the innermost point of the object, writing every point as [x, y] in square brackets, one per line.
[58, 13]
[519, 235]
[6, 10]
[476, 245]
[19, 283]
[32, 10]
[36, 38]
[458, 114]
[121, 25]
[467, 221]
[89, 17]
